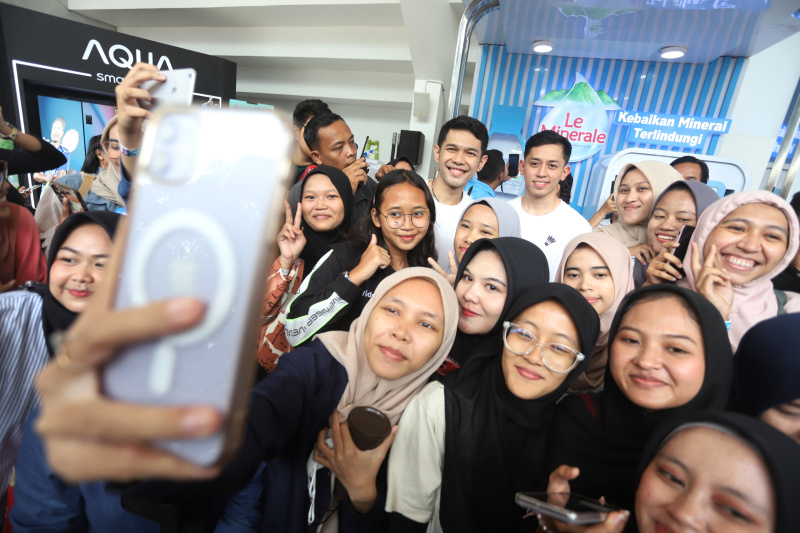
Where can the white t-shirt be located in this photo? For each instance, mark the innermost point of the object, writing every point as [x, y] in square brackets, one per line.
[447, 217]
[551, 232]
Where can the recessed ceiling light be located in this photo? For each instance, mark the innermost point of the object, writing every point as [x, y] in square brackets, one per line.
[542, 47]
[672, 52]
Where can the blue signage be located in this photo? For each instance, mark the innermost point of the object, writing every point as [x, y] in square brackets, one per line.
[670, 130]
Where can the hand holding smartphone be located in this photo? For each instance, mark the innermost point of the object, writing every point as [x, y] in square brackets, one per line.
[176, 90]
[566, 507]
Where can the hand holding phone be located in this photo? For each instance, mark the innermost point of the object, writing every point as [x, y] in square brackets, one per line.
[176, 90]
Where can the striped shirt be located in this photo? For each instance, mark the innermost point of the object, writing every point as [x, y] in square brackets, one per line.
[23, 354]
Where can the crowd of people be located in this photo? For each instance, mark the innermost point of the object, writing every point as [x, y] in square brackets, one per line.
[645, 357]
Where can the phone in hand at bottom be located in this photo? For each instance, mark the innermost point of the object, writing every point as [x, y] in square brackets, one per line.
[205, 208]
[566, 507]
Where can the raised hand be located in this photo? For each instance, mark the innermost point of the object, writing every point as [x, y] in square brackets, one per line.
[663, 266]
[643, 253]
[711, 281]
[373, 258]
[291, 239]
[357, 173]
[451, 277]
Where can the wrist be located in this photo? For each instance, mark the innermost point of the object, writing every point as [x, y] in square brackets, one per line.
[362, 501]
[286, 263]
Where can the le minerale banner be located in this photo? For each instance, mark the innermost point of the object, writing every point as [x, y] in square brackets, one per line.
[670, 130]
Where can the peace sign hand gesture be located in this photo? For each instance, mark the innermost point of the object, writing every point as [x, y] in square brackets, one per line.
[291, 239]
[712, 282]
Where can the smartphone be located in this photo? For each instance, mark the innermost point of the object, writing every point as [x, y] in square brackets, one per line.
[76, 202]
[205, 209]
[566, 507]
[683, 246]
[513, 165]
[176, 90]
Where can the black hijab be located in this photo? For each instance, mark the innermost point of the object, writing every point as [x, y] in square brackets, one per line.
[495, 442]
[526, 266]
[318, 243]
[606, 444]
[56, 317]
[767, 366]
[780, 454]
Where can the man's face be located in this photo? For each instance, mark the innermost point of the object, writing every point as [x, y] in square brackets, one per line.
[690, 171]
[544, 168]
[459, 158]
[337, 147]
[57, 131]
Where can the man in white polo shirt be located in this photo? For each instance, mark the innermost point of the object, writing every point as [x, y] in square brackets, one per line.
[460, 152]
[546, 221]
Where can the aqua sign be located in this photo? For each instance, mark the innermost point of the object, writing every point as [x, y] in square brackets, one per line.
[670, 130]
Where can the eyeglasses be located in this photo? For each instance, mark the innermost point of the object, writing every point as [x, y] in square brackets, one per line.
[395, 219]
[111, 147]
[556, 357]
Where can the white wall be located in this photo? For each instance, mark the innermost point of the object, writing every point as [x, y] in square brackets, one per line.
[764, 96]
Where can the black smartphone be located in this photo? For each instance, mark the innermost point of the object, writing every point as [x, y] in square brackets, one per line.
[683, 246]
[513, 165]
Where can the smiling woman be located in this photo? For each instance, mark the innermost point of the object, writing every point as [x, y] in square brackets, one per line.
[667, 355]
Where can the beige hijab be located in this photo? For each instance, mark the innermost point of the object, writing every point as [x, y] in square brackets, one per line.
[364, 387]
[660, 175]
[106, 183]
[618, 260]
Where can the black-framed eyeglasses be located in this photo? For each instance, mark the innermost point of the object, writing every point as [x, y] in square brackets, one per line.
[556, 357]
[395, 219]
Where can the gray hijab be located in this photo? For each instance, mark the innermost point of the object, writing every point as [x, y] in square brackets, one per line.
[703, 195]
[507, 219]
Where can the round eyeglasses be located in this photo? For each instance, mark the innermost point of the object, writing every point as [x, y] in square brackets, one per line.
[111, 147]
[395, 219]
[557, 358]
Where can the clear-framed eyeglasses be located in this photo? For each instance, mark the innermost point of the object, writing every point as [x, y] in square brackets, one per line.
[111, 147]
[557, 358]
[395, 219]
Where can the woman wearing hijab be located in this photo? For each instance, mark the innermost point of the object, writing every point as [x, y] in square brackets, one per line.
[679, 206]
[667, 356]
[28, 320]
[766, 378]
[599, 267]
[493, 273]
[465, 448]
[711, 471]
[106, 184]
[387, 356]
[741, 242]
[21, 257]
[634, 192]
[325, 212]
[487, 218]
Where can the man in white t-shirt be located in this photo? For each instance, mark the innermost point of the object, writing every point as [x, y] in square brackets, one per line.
[546, 221]
[461, 153]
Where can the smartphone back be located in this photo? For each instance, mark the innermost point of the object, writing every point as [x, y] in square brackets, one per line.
[207, 204]
[177, 89]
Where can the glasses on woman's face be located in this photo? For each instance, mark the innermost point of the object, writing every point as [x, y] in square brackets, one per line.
[557, 358]
[111, 147]
[395, 219]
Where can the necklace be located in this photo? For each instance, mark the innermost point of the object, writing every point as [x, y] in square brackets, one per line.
[433, 190]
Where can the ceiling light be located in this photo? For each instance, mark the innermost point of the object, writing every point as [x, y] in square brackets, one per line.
[672, 52]
[542, 47]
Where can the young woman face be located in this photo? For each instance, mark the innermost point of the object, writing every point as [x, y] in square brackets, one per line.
[675, 210]
[481, 293]
[406, 199]
[750, 242]
[785, 418]
[526, 376]
[479, 222]
[705, 480]
[587, 272]
[634, 198]
[657, 358]
[405, 329]
[322, 206]
[112, 145]
[80, 266]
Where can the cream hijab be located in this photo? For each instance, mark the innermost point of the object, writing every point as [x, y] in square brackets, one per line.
[364, 387]
[660, 175]
[106, 183]
[755, 300]
[618, 260]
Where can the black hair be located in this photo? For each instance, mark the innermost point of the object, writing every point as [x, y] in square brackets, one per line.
[308, 109]
[311, 133]
[549, 137]
[465, 123]
[91, 165]
[494, 165]
[795, 203]
[656, 295]
[363, 230]
[694, 160]
[565, 188]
